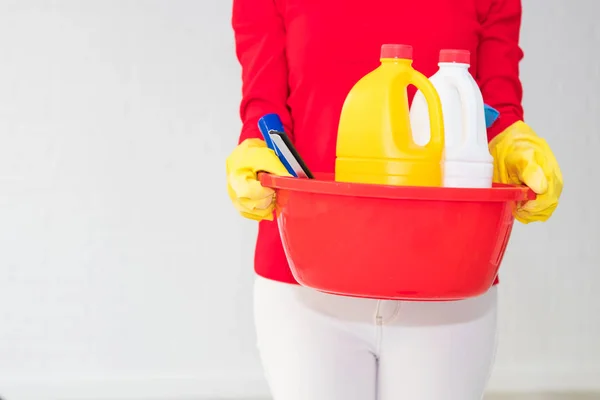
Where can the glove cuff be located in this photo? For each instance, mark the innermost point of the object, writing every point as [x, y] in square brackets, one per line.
[518, 128]
[253, 143]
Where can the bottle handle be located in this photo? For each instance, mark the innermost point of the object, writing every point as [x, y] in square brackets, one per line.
[434, 106]
[469, 110]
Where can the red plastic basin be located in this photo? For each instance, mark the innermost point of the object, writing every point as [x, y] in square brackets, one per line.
[391, 242]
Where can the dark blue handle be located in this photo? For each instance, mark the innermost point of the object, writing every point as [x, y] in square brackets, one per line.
[272, 122]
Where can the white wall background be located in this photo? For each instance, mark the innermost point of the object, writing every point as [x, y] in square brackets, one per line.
[124, 272]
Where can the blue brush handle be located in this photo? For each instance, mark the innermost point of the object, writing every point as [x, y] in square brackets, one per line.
[491, 115]
[272, 122]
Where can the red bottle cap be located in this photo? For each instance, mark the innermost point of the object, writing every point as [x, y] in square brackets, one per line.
[455, 56]
[402, 51]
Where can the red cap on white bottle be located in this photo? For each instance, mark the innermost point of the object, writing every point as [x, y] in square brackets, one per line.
[455, 56]
[401, 51]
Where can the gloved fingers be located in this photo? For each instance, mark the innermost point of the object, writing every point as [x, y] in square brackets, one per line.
[244, 185]
[258, 208]
[256, 205]
[258, 216]
[262, 202]
[542, 208]
[533, 176]
[525, 167]
[535, 210]
[254, 211]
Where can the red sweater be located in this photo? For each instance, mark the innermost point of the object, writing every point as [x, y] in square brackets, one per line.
[300, 58]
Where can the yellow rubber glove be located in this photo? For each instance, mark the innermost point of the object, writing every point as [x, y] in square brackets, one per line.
[522, 157]
[249, 197]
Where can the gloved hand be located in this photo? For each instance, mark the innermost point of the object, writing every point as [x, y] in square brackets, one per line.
[522, 157]
[249, 197]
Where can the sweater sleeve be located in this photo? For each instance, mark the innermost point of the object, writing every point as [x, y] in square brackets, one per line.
[260, 48]
[498, 56]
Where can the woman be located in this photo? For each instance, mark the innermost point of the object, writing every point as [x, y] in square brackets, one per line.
[299, 59]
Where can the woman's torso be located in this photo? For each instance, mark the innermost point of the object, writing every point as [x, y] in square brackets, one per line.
[330, 45]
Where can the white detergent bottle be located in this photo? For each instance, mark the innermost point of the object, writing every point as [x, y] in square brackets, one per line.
[467, 159]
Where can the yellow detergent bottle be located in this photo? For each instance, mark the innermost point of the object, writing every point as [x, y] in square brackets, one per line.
[375, 143]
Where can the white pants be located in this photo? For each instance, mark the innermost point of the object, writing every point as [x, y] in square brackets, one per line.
[316, 346]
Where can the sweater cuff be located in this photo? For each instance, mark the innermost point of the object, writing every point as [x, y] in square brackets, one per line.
[250, 130]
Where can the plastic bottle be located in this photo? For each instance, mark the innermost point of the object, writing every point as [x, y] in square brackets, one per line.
[467, 160]
[375, 143]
